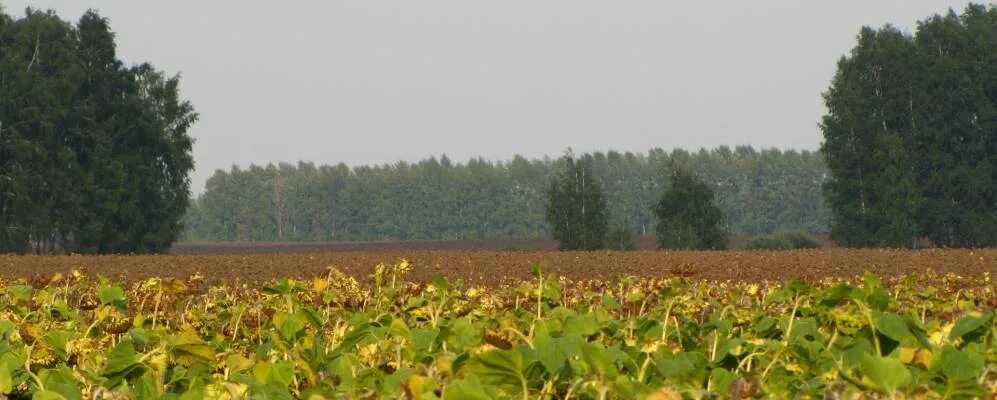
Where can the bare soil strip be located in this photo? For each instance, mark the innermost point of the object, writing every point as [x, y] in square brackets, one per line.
[494, 267]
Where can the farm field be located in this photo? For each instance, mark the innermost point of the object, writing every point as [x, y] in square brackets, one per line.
[494, 267]
[474, 324]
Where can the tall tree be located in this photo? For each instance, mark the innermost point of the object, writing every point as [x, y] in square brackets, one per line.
[687, 215]
[957, 171]
[870, 125]
[909, 136]
[96, 156]
[576, 210]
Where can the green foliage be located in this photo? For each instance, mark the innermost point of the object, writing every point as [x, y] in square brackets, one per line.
[620, 237]
[782, 241]
[909, 138]
[576, 210]
[687, 215]
[759, 192]
[94, 156]
[335, 337]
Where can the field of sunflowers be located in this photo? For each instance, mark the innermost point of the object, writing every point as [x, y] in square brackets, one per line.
[79, 336]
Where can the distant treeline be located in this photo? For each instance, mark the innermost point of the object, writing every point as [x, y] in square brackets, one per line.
[760, 192]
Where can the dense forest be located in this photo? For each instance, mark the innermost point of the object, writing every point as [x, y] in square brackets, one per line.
[759, 191]
[911, 135]
[94, 155]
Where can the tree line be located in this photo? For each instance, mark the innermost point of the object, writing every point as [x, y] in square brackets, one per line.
[911, 135]
[759, 191]
[94, 155]
[95, 158]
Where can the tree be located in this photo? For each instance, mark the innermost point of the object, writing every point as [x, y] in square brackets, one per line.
[94, 156]
[867, 144]
[576, 210]
[687, 215]
[909, 135]
[957, 135]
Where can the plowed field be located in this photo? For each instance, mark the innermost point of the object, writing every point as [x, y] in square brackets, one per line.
[492, 267]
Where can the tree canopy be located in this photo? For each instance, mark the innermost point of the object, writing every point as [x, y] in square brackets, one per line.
[687, 215]
[94, 155]
[911, 135]
[576, 209]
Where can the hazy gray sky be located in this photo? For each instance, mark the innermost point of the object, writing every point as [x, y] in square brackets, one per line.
[370, 81]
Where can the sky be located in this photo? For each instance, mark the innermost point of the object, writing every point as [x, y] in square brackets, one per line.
[372, 81]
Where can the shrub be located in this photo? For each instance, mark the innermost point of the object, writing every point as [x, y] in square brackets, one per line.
[782, 241]
[620, 238]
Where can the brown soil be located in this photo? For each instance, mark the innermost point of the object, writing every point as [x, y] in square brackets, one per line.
[490, 267]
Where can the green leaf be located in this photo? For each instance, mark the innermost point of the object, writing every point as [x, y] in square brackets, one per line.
[870, 281]
[121, 365]
[580, 325]
[679, 368]
[399, 329]
[610, 303]
[553, 353]
[282, 286]
[289, 325]
[600, 360]
[6, 380]
[6, 328]
[722, 379]
[764, 325]
[805, 327]
[422, 339]
[967, 325]
[47, 395]
[878, 299]
[279, 374]
[894, 328]
[270, 392]
[138, 335]
[855, 352]
[21, 292]
[60, 380]
[58, 339]
[962, 365]
[727, 346]
[440, 283]
[109, 294]
[498, 367]
[196, 392]
[465, 334]
[146, 388]
[537, 271]
[469, 388]
[310, 316]
[886, 374]
[237, 363]
[777, 297]
[352, 339]
[719, 325]
[188, 348]
[836, 294]
[796, 286]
